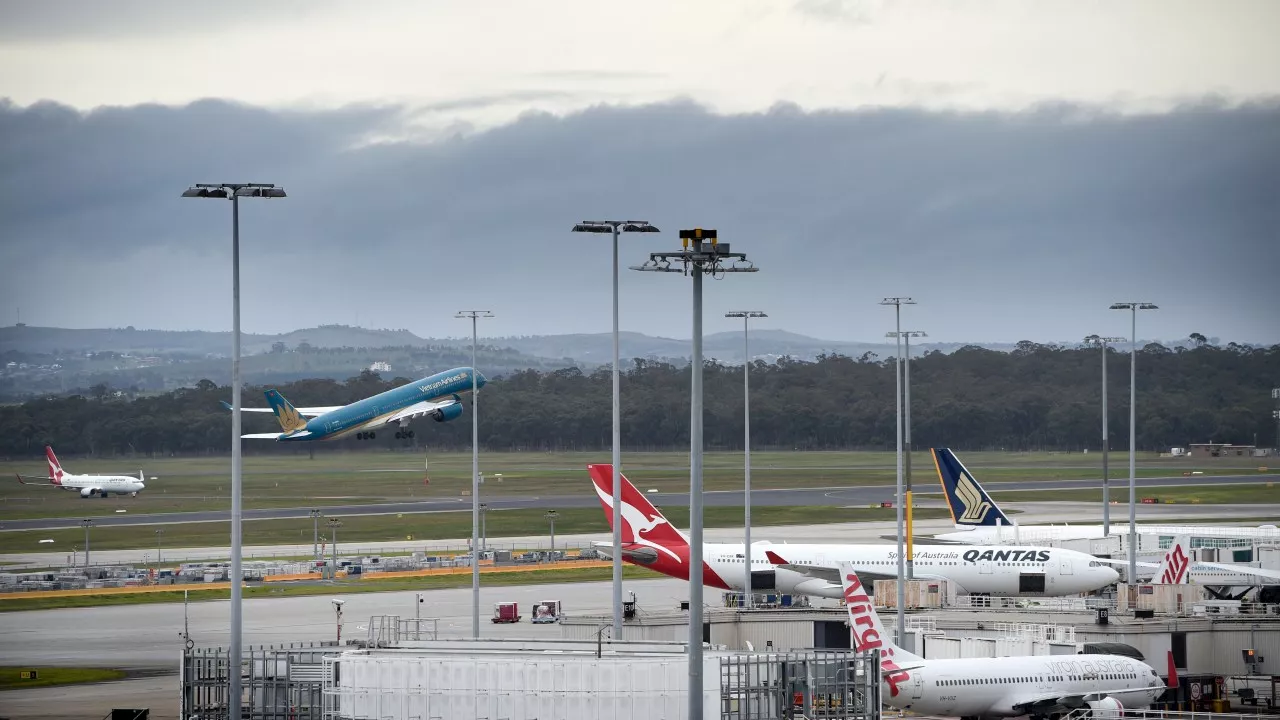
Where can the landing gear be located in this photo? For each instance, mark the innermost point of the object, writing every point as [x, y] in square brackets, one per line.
[365, 435]
[404, 434]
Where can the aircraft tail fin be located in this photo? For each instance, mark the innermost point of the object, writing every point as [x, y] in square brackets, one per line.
[639, 516]
[286, 414]
[868, 633]
[1176, 566]
[55, 468]
[969, 503]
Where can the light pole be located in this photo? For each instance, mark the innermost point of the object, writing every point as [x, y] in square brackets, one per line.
[475, 474]
[706, 257]
[614, 227]
[86, 524]
[551, 517]
[315, 533]
[897, 303]
[334, 524]
[484, 526]
[1103, 342]
[1133, 307]
[337, 611]
[746, 316]
[235, 191]
[909, 498]
[159, 535]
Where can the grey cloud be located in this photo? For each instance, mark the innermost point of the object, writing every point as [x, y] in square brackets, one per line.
[1003, 226]
[90, 19]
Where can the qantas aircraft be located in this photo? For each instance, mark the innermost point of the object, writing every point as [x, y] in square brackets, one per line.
[1041, 686]
[437, 397]
[979, 520]
[87, 485]
[804, 569]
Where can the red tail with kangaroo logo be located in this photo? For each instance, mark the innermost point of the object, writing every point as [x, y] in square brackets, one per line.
[648, 538]
[55, 468]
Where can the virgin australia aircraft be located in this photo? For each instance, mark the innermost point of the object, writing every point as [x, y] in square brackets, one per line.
[437, 397]
[1039, 686]
[651, 541]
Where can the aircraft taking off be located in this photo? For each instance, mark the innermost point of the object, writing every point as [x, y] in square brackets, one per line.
[87, 485]
[980, 521]
[437, 397]
[1039, 686]
[651, 541]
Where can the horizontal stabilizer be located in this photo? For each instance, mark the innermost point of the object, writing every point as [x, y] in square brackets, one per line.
[262, 436]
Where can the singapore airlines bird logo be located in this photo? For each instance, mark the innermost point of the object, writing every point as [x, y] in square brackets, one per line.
[975, 508]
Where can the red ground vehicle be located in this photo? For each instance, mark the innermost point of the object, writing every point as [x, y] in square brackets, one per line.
[506, 612]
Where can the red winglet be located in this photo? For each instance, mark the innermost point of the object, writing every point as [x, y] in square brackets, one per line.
[1173, 671]
[774, 558]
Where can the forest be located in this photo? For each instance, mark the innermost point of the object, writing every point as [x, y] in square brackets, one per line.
[1034, 397]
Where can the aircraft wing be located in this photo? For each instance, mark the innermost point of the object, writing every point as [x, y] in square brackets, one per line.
[1077, 700]
[305, 411]
[37, 480]
[416, 409]
[1242, 569]
[832, 574]
[1125, 563]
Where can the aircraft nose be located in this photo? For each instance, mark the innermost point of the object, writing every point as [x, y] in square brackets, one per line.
[1112, 575]
[480, 378]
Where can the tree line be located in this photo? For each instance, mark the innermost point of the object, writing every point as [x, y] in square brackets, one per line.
[1035, 397]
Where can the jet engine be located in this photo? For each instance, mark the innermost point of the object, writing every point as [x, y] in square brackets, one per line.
[447, 413]
[89, 492]
[790, 582]
[1107, 707]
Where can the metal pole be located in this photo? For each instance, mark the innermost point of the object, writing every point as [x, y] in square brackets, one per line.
[315, 535]
[87, 525]
[695, 505]
[1133, 447]
[906, 375]
[746, 446]
[897, 397]
[475, 493]
[1106, 448]
[159, 536]
[236, 573]
[617, 458]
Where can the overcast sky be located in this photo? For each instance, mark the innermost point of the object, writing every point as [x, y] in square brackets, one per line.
[1014, 167]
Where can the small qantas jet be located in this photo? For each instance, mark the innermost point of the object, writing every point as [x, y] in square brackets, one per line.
[437, 397]
[649, 540]
[979, 520]
[1039, 686]
[87, 485]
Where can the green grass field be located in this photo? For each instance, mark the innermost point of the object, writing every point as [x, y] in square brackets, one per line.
[417, 526]
[333, 477]
[1204, 494]
[11, 677]
[333, 587]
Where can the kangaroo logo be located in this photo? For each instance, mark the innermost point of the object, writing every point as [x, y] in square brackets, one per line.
[638, 524]
[975, 508]
[55, 472]
[1176, 564]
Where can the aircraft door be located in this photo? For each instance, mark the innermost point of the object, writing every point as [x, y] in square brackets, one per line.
[917, 685]
[1064, 565]
[986, 567]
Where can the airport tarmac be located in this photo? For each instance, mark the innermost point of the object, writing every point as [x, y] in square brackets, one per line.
[858, 495]
[147, 638]
[858, 532]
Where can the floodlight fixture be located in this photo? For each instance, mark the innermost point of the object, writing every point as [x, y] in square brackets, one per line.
[745, 314]
[701, 253]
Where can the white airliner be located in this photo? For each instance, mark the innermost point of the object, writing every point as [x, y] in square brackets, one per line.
[87, 485]
[1041, 686]
[1222, 580]
[649, 540]
[979, 520]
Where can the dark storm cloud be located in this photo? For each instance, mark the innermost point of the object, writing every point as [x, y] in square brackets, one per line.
[1004, 226]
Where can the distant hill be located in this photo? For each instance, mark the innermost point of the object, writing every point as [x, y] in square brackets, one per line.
[49, 340]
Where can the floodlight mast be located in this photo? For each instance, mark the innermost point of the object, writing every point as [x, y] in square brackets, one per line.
[613, 227]
[909, 498]
[235, 191]
[1103, 342]
[475, 475]
[1133, 307]
[746, 316]
[897, 303]
[702, 254]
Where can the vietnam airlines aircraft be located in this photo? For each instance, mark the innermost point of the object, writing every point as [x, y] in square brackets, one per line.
[649, 540]
[1039, 686]
[979, 520]
[87, 485]
[437, 397]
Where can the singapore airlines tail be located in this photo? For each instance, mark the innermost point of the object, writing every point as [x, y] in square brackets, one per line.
[969, 503]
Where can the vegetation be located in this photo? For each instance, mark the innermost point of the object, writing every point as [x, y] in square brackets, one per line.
[11, 676]
[1037, 396]
[340, 587]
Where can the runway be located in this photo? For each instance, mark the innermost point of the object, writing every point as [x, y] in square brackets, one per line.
[843, 495]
